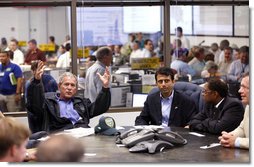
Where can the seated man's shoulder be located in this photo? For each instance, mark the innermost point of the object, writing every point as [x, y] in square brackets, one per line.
[234, 100]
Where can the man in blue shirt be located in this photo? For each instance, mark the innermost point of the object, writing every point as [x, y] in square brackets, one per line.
[64, 110]
[166, 107]
[10, 83]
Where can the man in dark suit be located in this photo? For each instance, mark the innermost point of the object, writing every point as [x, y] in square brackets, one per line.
[221, 113]
[166, 107]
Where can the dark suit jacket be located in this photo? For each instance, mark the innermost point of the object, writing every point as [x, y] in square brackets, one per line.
[182, 110]
[226, 117]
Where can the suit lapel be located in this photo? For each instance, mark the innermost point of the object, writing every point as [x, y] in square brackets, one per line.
[157, 106]
[174, 106]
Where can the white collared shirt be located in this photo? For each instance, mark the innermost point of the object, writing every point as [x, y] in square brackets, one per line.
[166, 108]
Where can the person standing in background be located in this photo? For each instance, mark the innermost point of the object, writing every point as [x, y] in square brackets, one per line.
[34, 53]
[140, 39]
[10, 83]
[4, 44]
[93, 85]
[64, 60]
[184, 39]
[18, 56]
[52, 54]
[198, 63]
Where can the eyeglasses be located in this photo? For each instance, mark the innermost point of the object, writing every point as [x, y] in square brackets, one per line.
[206, 91]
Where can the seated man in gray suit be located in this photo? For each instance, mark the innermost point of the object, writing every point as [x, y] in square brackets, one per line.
[221, 113]
[166, 107]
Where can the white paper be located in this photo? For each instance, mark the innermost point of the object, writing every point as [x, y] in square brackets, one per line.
[196, 134]
[78, 132]
[90, 154]
[210, 145]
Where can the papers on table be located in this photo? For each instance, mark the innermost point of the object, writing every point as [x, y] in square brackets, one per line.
[152, 127]
[76, 132]
[210, 145]
[196, 134]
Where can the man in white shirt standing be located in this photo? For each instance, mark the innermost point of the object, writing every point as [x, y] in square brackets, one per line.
[148, 49]
[18, 56]
[136, 51]
[64, 60]
[179, 35]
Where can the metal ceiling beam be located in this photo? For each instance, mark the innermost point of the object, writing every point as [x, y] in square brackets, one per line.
[28, 4]
[105, 3]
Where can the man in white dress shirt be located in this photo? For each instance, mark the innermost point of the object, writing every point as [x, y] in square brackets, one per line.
[18, 56]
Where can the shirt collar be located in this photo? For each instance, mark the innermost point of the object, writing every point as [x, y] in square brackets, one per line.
[217, 105]
[168, 98]
[59, 99]
[100, 63]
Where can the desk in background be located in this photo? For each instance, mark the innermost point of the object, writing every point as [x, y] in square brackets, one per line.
[107, 151]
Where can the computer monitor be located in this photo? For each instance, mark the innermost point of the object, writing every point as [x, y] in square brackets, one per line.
[138, 100]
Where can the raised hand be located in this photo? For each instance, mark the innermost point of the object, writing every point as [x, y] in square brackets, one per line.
[39, 71]
[105, 78]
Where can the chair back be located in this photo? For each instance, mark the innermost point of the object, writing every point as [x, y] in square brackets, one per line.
[189, 89]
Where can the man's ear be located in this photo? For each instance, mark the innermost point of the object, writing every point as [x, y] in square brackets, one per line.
[12, 151]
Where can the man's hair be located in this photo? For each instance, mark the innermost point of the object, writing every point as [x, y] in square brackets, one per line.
[68, 47]
[11, 133]
[67, 74]
[103, 52]
[33, 41]
[147, 40]
[218, 86]
[52, 38]
[60, 148]
[198, 50]
[229, 48]
[9, 53]
[244, 49]
[179, 29]
[16, 41]
[165, 71]
[224, 43]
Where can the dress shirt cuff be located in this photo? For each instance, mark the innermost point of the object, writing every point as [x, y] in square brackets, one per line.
[237, 142]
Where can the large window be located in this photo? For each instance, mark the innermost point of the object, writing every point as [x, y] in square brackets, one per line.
[211, 20]
[111, 25]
